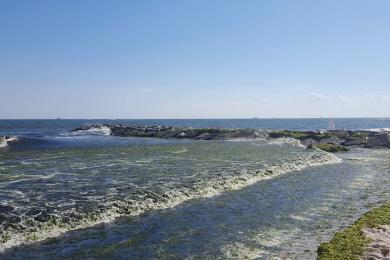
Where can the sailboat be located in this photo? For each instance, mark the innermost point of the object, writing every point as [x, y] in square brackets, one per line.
[331, 125]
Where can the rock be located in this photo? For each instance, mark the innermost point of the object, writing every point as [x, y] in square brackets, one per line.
[378, 140]
[354, 142]
[332, 140]
[205, 136]
[310, 146]
[184, 133]
[331, 148]
[343, 138]
[301, 135]
[309, 142]
[341, 134]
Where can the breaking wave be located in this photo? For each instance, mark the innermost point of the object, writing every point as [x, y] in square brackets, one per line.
[97, 130]
[146, 200]
[287, 140]
[378, 129]
[4, 141]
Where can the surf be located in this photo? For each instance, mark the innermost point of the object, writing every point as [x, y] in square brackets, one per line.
[147, 200]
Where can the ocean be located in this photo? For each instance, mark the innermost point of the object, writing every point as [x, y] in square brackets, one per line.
[89, 195]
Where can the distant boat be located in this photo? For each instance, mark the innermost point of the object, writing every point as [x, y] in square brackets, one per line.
[331, 125]
[58, 118]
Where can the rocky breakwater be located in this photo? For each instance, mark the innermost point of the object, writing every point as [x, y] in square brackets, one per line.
[339, 138]
[177, 132]
[334, 140]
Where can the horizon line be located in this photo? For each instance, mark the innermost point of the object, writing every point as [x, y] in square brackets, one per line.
[228, 118]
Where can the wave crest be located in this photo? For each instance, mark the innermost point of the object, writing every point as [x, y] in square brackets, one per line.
[95, 130]
[5, 140]
[150, 200]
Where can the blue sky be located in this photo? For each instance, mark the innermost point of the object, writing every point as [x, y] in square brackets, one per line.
[194, 59]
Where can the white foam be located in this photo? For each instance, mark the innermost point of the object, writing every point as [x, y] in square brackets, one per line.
[184, 150]
[239, 250]
[4, 141]
[378, 129]
[172, 197]
[287, 140]
[11, 139]
[274, 237]
[97, 130]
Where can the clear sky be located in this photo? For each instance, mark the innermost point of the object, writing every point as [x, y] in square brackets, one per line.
[194, 59]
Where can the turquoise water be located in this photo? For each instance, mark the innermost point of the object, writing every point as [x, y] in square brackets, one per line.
[65, 196]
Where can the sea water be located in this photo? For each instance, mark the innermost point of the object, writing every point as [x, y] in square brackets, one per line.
[95, 196]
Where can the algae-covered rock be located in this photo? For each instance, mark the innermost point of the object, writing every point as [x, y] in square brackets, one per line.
[351, 243]
[301, 135]
[179, 133]
[331, 148]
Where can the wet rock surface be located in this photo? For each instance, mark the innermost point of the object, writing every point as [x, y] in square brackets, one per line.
[364, 139]
[178, 133]
[346, 138]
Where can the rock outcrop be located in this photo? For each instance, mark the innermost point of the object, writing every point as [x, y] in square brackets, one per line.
[378, 140]
[339, 138]
[178, 133]
[364, 139]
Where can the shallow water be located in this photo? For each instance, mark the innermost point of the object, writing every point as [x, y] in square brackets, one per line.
[47, 192]
[100, 197]
[283, 217]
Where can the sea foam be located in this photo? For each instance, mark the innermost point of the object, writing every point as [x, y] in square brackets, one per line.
[4, 141]
[97, 130]
[167, 199]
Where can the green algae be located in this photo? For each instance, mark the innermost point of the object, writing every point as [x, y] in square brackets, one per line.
[300, 135]
[350, 243]
[331, 148]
